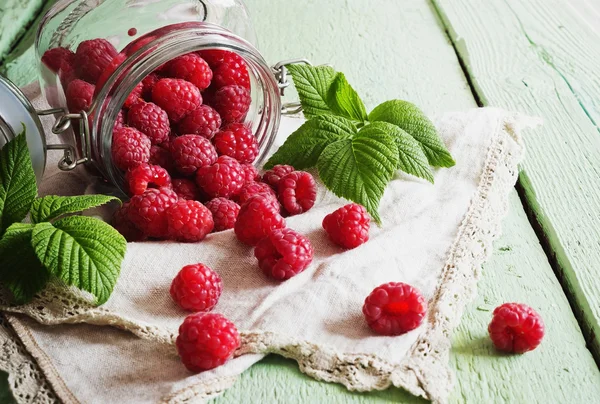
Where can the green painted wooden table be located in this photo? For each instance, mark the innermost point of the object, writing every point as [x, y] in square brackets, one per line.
[540, 57]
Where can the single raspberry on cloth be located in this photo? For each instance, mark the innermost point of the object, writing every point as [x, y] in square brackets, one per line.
[177, 97]
[297, 192]
[121, 222]
[232, 103]
[250, 173]
[196, 288]
[283, 253]
[394, 308]
[203, 121]
[348, 226]
[148, 211]
[192, 68]
[189, 221]
[92, 57]
[146, 175]
[79, 96]
[191, 152]
[225, 213]
[222, 179]
[53, 58]
[251, 189]
[236, 140]
[130, 148]
[275, 174]
[516, 327]
[151, 120]
[257, 218]
[206, 340]
[186, 189]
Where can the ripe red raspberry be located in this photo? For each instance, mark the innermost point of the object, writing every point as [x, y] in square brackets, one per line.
[53, 58]
[186, 189]
[203, 121]
[92, 57]
[348, 226]
[394, 308]
[222, 179]
[257, 218]
[79, 96]
[192, 68]
[275, 174]
[121, 222]
[516, 327]
[297, 192]
[148, 84]
[225, 213]
[232, 103]
[161, 156]
[191, 152]
[135, 96]
[189, 221]
[231, 70]
[214, 57]
[284, 253]
[130, 148]
[251, 189]
[151, 120]
[177, 97]
[237, 140]
[148, 211]
[206, 341]
[145, 175]
[196, 288]
[250, 173]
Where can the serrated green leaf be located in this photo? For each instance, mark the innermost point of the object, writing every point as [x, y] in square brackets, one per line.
[313, 84]
[82, 251]
[51, 207]
[412, 120]
[303, 147]
[360, 168]
[344, 100]
[20, 269]
[411, 158]
[17, 182]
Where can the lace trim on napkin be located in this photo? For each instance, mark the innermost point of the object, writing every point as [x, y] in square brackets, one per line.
[359, 372]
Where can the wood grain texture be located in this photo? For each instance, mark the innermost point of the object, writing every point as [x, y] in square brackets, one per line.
[541, 57]
[15, 15]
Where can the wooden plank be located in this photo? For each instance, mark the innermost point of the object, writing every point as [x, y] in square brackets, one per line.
[15, 15]
[541, 57]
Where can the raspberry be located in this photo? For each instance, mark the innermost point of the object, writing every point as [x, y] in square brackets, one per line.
[79, 96]
[257, 218]
[148, 211]
[232, 103]
[92, 57]
[145, 175]
[203, 121]
[130, 148]
[66, 73]
[275, 174]
[251, 189]
[348, 226]
[192, 68]
[225, 213]
[191, 152]
[206, 340]
[161, 156]
[120, 121]
[148, 84]
[121, 222]
[186, 189]
[151, 120]
[284, 253]
[297, 192]
[394, 308]
[222, 179]
[177, 97]
[236, 140]
[189, 221]
[231, 70]
[54, 58]
[250, 173]
[215, 57]
[196, 288]
[135, 96]
[516, 327]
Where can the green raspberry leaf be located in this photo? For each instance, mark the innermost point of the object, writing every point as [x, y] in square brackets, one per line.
[411, 158]
[360, 168]
[51, 207]
[82, 251]
[20, 269]
[313, 84]
[412, 120]
[18, 186]
[303, 147]
[344, 100]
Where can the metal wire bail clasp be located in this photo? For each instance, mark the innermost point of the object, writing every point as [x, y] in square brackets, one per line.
[70, 158]
[281, 74]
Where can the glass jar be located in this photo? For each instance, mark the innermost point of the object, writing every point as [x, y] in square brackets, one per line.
[148, 34]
